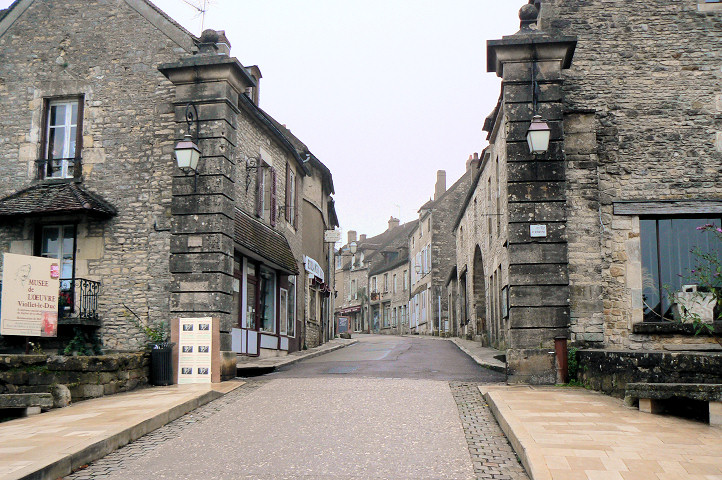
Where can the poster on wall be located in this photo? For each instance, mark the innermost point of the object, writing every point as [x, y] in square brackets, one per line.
[194, 350]
[30, 290]
[342, 324]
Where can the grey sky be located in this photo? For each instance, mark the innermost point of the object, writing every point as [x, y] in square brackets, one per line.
[384, 92]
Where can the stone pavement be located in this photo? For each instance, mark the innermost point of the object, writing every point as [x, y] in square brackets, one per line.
[575, 434]
[484, 356]
[52, 444]
[247, 365]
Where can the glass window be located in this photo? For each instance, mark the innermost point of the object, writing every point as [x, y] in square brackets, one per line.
[291, 316]
[387, 314]
[61, 138]
[667, 259]
[58, 241]
[268, 297]
[283, 310]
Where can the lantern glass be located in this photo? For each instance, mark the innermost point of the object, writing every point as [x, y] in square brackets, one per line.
[353, 247]
[187, 154]
[538, 135]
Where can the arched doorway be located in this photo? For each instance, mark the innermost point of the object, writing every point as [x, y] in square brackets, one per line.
[480, 296]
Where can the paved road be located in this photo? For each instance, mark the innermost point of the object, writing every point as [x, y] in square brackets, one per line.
[385, 408]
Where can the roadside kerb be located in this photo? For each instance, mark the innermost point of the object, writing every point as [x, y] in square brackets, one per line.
[277, 362]
[518, 436]
[500, 367]
[69, 458]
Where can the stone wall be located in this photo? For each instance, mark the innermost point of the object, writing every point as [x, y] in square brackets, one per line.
[609, 371]
[128, 135]
[647, 75]
[85, 377]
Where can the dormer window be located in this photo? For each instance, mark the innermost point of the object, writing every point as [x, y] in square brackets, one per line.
[62, 138]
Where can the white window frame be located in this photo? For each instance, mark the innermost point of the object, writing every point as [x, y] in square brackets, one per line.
[68, 139]
[283, 301]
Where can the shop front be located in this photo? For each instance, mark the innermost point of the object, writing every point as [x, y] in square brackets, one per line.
[264, 291]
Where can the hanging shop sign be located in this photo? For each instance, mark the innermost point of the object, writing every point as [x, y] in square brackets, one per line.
[30, 291]
[194, 350]
[313, 267]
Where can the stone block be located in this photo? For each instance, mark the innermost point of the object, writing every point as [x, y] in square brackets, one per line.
[530, 366]
[539, 191]
[537, 212]
[538, 295]
[216, 263]
[538, 317]
[715, 414]
[538, 274]
[535, 171]
[535, 337]
[521, 93]
[524, 112]
[204, 184]
[648, 405]
[202, 223]
[25, 400]
[209, 204]
[580, 143]
[210, 242]
[229, 361]
[61, 396]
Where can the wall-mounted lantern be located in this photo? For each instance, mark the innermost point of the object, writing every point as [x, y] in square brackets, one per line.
[187, 154]
[353, 247]
[538, 135]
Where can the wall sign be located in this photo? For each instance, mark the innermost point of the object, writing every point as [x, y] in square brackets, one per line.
[194, 350]
[538, 231]
[30, 291]
[332, 236]
[313, 267]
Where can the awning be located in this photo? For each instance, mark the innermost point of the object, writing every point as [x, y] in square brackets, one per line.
[261, 242]
[55, 199]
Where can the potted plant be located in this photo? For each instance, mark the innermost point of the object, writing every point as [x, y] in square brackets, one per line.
[161, 350]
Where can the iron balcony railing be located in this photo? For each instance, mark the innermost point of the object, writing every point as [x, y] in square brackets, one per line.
[78, 299]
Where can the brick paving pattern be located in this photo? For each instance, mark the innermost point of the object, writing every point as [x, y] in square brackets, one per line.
[115, 462]
[491, 454]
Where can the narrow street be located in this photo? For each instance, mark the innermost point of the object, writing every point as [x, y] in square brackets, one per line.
[384, 408]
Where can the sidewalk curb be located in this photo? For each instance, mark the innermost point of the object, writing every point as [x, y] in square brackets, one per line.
[290, 360]
[518, 437]
[490, 366]
[66, 465]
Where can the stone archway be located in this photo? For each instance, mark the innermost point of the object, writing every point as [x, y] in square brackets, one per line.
[480, 296]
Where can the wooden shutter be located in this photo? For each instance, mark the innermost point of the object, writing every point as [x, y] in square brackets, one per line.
[259, 189]
[297, 205]
[273, 202]
[287, 203]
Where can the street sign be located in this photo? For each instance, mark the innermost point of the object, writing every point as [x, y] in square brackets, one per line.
[538, 231]
[332, 236]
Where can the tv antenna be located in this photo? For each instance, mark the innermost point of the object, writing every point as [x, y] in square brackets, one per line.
[201, 6]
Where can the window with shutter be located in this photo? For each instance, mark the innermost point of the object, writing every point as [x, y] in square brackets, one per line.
[287, 210]
[260, 194]
[297, 197]
[273, 202]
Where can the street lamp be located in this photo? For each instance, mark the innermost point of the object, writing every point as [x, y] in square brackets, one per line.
[538, 135]
[186, 152]
[353, 247]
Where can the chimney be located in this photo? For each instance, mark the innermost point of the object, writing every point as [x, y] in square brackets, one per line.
[473, 163]
[351, 236]
[393, 223]
[440, 184]
[214, 42]
[254, 92]
[362, 238]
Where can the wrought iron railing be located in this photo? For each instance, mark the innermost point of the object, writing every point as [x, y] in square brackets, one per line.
[78, 299]
[57, 168]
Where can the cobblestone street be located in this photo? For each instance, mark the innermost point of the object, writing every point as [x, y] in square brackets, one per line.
[335, 425]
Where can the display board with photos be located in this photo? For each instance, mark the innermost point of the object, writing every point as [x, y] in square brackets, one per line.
[194, 350]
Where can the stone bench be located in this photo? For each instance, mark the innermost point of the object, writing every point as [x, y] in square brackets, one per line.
[32, 403]
[651, 396]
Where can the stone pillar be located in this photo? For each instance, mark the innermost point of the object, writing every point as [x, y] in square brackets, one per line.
[202, 245]
[538, 265]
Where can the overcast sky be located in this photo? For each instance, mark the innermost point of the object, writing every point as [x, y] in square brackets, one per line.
[384, 92]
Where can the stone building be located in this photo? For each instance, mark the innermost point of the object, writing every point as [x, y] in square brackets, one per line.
[388, 280]
[432, 255]
[351, 279]
[95, 105]
[593, 229]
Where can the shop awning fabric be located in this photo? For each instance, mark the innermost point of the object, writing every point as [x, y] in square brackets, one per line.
[55, 199]
[262, 243]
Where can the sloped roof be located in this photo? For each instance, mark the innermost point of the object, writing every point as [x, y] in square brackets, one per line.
[263, 243]
[55, 199]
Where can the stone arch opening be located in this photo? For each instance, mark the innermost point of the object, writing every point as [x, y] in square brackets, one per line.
[479, 294]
